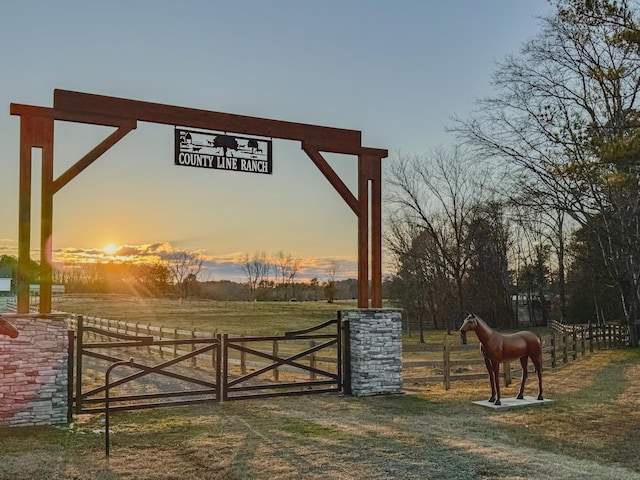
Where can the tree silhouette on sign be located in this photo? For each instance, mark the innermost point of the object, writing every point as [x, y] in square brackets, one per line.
[226, 143]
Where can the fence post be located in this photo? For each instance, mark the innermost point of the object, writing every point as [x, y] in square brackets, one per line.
[193, 347]
[445, 364]
[243, 358]
[175, 345]
[217, 361]
[276, 373]
[565, 341]
[590, 337]
[79, 334]
[312, 360]
[506, 366]
[214, 351]
[575, 343]
[553, 350]
[225, 365]
[160, 350]
[70, 354]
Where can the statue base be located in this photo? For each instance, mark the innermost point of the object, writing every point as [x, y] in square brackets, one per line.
[514, 403]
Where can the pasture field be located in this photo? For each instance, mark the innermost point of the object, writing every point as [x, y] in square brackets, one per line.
[591, 431]
[237, 318]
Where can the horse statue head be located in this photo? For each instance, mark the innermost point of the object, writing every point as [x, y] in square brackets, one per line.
[7, 329]
[469, 323]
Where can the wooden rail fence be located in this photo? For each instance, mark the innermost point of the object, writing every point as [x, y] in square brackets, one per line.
[450, 361]
[444, 362]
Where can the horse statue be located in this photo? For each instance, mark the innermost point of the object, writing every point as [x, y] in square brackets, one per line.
[497, 348]
[7, 329]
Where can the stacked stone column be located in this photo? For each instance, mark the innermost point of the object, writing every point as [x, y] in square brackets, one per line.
[33, 373]
[375, 351]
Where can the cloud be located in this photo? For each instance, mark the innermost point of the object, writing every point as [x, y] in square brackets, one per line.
[214, 267]
[8, 247]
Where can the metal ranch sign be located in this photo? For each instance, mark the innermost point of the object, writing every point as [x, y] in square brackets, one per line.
[222, 152]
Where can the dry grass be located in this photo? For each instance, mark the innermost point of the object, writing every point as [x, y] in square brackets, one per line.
[590, 431]
[237, 318]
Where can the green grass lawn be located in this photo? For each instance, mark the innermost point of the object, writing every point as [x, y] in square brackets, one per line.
[590, 431]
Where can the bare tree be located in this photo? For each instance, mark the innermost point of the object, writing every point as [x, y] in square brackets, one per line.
[566, 115]
[256, 269]
[184, 268]
[286, 268]
[330, 290]
[440, 194]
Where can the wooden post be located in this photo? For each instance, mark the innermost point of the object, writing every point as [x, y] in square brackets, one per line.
[565, 341]
[506, 366]
[575, 343]
[193, 348]
[243, 359]
[79, 334]
[312, 360]
[274, 352]
[363, 232]
[70, 357]
[175, 345]
[225, 365]
[445, 364]
[553, 350]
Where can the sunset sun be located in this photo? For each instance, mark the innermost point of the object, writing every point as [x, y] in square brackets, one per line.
[110, 249]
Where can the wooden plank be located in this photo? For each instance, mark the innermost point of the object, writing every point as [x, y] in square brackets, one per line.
[89, 158]
[363, 233]
[333, 178]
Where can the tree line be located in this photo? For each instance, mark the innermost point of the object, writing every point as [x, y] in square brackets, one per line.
[540, 198]
[269, 278]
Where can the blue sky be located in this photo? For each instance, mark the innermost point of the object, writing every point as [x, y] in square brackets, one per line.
[397, 71]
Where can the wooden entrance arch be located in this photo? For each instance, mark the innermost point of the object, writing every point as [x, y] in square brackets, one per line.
[36, 131]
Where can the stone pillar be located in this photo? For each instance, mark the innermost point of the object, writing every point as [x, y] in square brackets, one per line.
[375, 350]
[33, 373]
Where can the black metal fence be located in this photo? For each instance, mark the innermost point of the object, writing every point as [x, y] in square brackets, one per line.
[159, 371]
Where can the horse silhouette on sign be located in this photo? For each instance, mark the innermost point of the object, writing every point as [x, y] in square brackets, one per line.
[497, 348]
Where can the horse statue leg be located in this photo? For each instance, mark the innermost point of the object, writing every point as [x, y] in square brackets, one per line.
[487, 362]
[537, 363]
[523, 361]
[496, 381]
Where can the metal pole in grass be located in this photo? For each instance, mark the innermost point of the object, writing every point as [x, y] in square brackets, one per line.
[106, 401]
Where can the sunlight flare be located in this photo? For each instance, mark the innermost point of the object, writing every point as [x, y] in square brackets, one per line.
[110, 249]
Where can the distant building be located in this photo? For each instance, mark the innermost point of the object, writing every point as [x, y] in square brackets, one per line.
[34, 289]
[5, 284]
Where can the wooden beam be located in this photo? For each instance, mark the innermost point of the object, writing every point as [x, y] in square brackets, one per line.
[375, 172]
[67, 103]
[333, 177]
[363, 232]
[35, 131]
[90, 157]
[78, 117]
